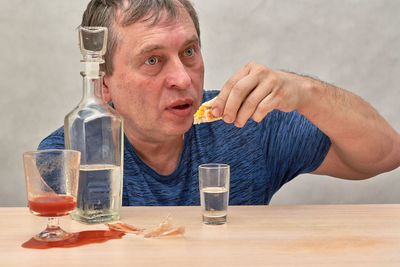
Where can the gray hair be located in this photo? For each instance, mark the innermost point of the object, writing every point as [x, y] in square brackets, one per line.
[111, 13]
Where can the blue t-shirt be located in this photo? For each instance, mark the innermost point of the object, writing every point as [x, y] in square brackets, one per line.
[262, 157]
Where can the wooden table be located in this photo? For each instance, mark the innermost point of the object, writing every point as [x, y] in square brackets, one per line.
[317, 235]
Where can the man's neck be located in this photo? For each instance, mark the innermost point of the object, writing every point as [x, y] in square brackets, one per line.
[163, 157]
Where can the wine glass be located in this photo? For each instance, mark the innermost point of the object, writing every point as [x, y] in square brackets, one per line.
[51, 184]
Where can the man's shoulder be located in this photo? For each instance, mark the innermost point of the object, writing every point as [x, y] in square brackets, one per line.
[209, 94]
[54, 141]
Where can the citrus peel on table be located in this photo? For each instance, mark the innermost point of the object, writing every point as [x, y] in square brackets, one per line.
[164, 229]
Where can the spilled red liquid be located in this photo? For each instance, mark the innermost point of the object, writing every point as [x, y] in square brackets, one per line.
[77, 240]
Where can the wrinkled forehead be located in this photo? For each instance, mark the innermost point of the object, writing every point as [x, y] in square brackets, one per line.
[155, 17]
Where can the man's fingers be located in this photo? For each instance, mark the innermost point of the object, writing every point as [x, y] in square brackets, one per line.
[250, 92]
[220, 101]
[249, 106]
[238, 95]
[267, 105]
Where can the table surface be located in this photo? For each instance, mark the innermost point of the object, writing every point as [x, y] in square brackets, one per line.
[314, 235]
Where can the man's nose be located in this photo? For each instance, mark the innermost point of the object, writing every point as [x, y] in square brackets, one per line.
[177, 76]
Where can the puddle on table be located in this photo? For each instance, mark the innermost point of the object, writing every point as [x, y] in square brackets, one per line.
[77, 239]
[116, 231]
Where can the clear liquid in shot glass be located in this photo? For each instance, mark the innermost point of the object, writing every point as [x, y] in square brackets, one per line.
[214, 202]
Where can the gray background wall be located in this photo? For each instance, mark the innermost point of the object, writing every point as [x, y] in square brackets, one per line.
[353, 44]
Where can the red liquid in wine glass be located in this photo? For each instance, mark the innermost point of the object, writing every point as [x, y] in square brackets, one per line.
[52, 205]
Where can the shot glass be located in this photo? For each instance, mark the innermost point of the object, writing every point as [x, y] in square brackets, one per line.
[214, 192]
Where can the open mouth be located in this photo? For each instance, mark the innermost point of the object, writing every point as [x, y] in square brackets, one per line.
[181, 106]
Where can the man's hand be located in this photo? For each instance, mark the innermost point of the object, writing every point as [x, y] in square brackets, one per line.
[256, 90]
[363, 143]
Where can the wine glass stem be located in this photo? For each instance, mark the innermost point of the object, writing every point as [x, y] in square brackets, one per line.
[52, 223]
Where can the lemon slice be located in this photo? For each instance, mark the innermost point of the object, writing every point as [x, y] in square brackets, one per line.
[204, 113]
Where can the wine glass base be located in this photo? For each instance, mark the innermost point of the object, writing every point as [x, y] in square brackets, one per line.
[52, 235]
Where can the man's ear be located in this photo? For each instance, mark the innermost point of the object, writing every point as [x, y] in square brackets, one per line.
[106, 88]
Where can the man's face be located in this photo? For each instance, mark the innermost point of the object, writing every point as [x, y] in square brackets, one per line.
[157, 83]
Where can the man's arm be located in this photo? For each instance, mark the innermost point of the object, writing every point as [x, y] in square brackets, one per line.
[363, 143]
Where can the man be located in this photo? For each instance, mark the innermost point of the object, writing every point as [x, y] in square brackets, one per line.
[276, 125]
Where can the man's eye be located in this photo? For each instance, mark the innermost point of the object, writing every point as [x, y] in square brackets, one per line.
[151, 61]
[189, 52]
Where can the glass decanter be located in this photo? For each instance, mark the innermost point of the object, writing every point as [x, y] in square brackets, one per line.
[96, 130]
